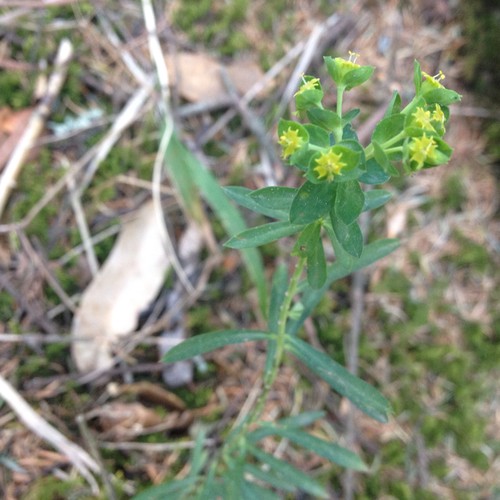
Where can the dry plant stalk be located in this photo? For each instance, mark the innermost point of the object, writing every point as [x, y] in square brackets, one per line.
[85, 464]
[35, 125]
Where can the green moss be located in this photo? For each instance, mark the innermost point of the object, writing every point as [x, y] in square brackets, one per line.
[15, 91]
[454, 195]
[195, 399]
[52, 488]
[471, 254]
[394, 453]
[214, 23]
[7, 305]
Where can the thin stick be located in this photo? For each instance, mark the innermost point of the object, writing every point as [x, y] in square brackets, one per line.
[37, 120]
[123, 52]
[51, 280]
[94, 449]
[36, 4]
[255, 125]
[310, 50]
[83, 227]
[83, 462]
[133, 108]
[154, 447]
[254, 91]
[164, 104]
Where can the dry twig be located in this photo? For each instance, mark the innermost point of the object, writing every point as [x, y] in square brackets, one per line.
[35, 125]
[83, 462]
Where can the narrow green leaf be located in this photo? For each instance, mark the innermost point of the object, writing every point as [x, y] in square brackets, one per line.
[349, 201]
[166, 490]
[288, 475]
[312, 202]
[243, 196]
[199, 455]
[268, 477]
[336, 271]
[394, 105]
[252, 491]
[233, 480]
[275, 199]
[207, 342]
[302, 419]
[182, 164]
[349, 236]
[417, 76]
[261, 235]
[349, 116]
[362, 394]
[330, 451]
[375, 198]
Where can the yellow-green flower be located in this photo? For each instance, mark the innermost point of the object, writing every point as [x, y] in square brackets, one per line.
[290, 141]
[346, 65]
[423, 118]
[438, 116]
[311, 84]
[434, 81]
[329, 165]
[422, 149]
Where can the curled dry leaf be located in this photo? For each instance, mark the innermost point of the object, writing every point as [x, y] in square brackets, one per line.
[198, 76]
[120, 419]
[124, 286]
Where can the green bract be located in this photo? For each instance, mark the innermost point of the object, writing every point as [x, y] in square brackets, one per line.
[346, 73]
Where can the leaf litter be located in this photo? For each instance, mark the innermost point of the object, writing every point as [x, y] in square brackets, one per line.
[390, 42]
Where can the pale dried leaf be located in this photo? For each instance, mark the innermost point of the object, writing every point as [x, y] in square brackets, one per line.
[125, 285]
[198, 76]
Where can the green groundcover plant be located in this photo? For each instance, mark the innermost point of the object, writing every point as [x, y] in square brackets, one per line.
[325, 209]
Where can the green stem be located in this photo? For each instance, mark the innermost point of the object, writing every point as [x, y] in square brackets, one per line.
[385, 145]
[271, 374]
[337, 131]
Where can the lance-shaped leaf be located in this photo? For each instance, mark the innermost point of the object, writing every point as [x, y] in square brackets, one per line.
[330, 451]
[207, 342]
[261, 235]
[362, 394]
[243, 196]
[276, 199]
[283, 475]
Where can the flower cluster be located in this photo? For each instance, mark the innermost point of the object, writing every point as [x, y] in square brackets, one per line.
[411, 137]
[329, 164]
